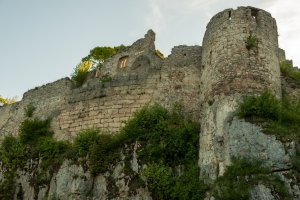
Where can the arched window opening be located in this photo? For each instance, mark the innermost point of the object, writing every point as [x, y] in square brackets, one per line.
[123, 62]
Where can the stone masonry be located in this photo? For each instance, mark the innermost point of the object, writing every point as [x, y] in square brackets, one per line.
[207, 81]
[107, 105]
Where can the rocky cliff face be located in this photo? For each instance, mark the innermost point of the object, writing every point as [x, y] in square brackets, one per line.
[74, 181]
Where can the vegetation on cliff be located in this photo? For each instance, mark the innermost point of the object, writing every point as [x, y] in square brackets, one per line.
[287, 69]
[168, 147]
[168, 142]
[278, 117]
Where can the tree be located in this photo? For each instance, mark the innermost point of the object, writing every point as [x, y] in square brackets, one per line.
[98, 55]
[7, 101]
[80, 72]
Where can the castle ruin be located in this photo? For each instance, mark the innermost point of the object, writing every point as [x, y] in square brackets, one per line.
[207, 81]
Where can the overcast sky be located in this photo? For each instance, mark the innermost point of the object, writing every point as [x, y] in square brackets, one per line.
[43, 40]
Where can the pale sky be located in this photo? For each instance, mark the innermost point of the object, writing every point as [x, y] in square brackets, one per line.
[43, 40]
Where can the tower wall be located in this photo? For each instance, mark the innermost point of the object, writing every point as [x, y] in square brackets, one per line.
[230, 70]
[228, 66]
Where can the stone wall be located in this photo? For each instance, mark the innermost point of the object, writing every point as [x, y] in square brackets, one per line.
[108, 104]
[228, 66]
[104, 106]
[49, 100]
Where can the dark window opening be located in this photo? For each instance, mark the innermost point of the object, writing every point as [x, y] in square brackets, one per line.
[123, 62]
[184, 54]
[229, 13]
[254, 13]
[210, 55]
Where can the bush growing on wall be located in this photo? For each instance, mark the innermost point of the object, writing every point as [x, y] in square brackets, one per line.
[287, 69]
[80, 72]
[32, 129]
[251, 42]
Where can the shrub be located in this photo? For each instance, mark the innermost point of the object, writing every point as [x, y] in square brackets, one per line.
[188, 186]
[52, 153]
[50, 148]
[165, 184]
[280, 117]
[251, 42]
[29, 109]
[242, 175]
[264, 106]
[145, 122]
[32, 129]
[103, 153]
[159, 180]
[12, 152]
[287, 69]
[84, 140]
[165, 136]
[8, 185]
[81, 72]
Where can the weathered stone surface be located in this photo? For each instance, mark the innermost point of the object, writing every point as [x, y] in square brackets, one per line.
[70, 182]
[261, 192]
[247, 140]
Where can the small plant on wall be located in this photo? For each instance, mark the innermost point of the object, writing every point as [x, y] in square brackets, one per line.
[80, 72]
[251, 42]
[105, 78]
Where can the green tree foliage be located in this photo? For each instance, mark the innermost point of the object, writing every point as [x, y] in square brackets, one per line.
[81, 72]
[7, 101]
[100, 54]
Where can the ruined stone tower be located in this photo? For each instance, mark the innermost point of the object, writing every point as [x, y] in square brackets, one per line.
[229, 69]
[228, 66]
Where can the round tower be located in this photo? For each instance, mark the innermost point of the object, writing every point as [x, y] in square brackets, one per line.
[240, 53]
[239, 56]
